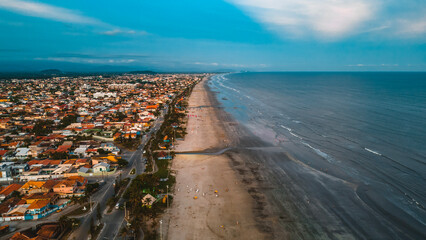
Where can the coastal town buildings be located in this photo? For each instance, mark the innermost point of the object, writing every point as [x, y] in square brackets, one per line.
[58, 134]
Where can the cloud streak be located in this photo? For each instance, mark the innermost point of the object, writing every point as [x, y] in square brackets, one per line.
[46, 11]
[116, 32]
[88, 60]
[337, 19]
[323, 19]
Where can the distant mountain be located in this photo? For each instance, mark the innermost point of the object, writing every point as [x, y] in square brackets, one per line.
[141, 72]
[51, 72]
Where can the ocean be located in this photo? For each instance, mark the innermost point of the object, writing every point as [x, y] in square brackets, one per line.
[365, 131]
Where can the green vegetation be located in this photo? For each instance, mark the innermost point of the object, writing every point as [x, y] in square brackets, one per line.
[122, 162]
[95, 230]
[67, 120]
[68, 225]
[158, 179]
[118, 191]
[129, 143]
[79, 211]
[43, 127]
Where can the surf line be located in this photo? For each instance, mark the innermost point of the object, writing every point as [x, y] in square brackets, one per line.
[372, 151]
[291, 132]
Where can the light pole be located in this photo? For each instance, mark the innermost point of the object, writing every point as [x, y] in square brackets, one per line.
[161, 229]
[167, 197]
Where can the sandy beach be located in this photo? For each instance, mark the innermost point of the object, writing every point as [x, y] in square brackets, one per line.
[225, 214]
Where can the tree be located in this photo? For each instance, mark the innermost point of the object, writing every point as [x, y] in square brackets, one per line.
[43, 127]
[59, 155]
[65, 222]
[67, 120]
[122, 163]
[92, 228]
[98, 212]
[91, 187]
[8, 139]
[15, 194]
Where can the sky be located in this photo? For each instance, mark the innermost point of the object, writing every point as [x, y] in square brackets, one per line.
[213, 35]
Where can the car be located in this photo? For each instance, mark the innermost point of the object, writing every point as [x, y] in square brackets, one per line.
[117, 206]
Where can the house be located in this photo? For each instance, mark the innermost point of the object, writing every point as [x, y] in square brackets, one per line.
[19, 168]
[80, 180]
[48, 186]
[16, 213]
[72, 186]
[49, 231]
[52, 197]
[101, 167]
[110, 147]
[83, 170]
[22, 153]
[5, 172]
[24, 236]
[81, 151]
[65, 187]
[32, 187]
[38, 206]
[9, 190]
[5, 206]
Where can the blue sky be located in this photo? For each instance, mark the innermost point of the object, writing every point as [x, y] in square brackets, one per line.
[211, 35]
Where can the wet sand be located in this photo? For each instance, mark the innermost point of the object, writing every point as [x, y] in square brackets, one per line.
[228, 213]
[271, 193]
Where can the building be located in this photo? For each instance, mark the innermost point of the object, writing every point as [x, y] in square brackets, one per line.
[32, 187]
[101, 167]
[38, 206]
[5, 192]
[22, 153]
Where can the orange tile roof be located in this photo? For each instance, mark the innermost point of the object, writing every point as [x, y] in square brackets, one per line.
[37, 184]
[3, 152]
[55, 162]
[49, 184]
[32, 162]
[72, 161]
[45, 162]
[77, 178]
[68, 183]
[19, 236]
[63, 148]
[48, 231]
[39, 204]
[39, 196]
[9, 189]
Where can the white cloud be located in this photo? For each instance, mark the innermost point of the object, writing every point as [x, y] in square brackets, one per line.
[41, 10]
[374, 65]
[206, 64]
[87, 60]
[115, 32]
[412, 27]
[46, 11]
[327, 19]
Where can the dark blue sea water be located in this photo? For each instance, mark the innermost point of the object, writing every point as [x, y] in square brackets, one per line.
[367, 129]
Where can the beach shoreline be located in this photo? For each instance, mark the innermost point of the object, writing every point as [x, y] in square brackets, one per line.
[211, 200]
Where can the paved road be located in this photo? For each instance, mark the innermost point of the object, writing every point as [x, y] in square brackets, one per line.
[114, 220]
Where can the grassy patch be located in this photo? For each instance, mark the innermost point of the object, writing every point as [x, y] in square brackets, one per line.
[79, 210]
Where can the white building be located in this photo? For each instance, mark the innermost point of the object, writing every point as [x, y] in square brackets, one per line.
[22, 153]
[101, 167]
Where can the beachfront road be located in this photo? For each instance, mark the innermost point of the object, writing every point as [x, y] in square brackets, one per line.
[115, 220]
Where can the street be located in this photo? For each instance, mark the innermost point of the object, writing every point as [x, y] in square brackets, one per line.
[114, 220]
